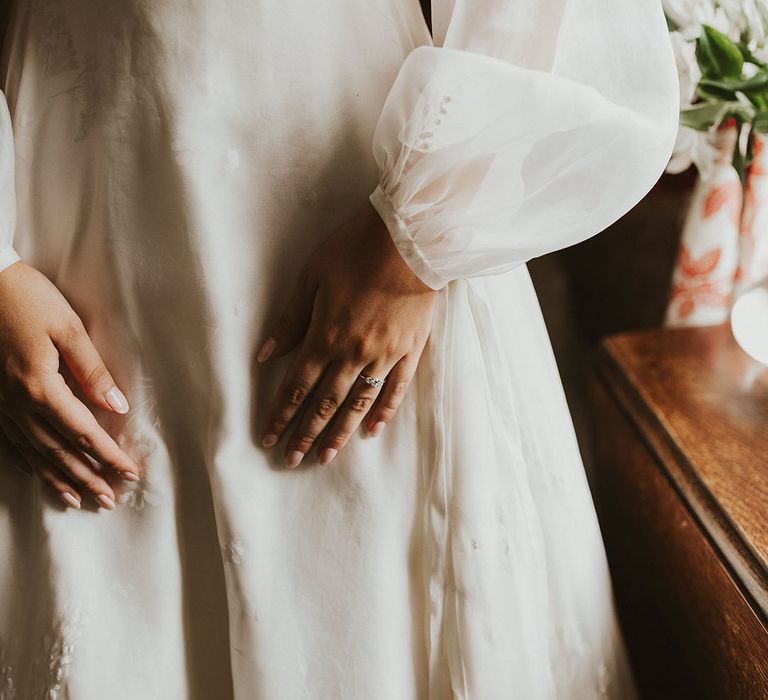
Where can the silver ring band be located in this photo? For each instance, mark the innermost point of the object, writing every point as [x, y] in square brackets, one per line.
[373, 381]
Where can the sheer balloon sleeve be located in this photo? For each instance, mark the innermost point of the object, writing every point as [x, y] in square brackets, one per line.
[8, 255]
[535, 125]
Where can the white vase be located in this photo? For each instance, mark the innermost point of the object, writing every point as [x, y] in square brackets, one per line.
[708, 257]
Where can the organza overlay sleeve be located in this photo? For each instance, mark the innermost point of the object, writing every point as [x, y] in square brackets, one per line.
[535, 125]
[8, 255]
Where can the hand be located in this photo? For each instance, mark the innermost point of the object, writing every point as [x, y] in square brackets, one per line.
[53, 432]
[357, 308]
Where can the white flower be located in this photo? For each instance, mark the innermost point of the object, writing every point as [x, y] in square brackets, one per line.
[693, 147]
[747, 15]
[761, 53]
[724, 15]
[687, 68]
[753, 21]
[749, 70]
[682, 12]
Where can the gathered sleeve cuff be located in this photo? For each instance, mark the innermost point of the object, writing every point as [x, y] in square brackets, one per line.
[526, 132]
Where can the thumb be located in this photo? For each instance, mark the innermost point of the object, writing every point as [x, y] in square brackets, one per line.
[293, 322]
[84, 362]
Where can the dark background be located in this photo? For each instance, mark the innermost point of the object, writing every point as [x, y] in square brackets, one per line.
[616, 281]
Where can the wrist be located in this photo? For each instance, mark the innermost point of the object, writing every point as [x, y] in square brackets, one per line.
[395, 262]
[402, 242]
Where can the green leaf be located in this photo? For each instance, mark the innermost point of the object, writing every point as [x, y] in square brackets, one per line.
[759, 101]
[705, 115]
[738, 157]
[738, 163]
[758, 83]
[717, 55]
[715, 94]
[760, 122]
[750, 144]
[749, 57]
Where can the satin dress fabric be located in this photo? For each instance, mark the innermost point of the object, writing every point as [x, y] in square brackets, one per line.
[171, 166]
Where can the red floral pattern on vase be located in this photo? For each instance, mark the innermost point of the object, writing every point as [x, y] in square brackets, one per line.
[725, 195]
[694, 285]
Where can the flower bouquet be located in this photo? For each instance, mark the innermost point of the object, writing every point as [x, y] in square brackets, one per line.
[722, 57]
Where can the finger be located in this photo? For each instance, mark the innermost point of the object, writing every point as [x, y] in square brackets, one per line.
[36, 465]
[59, 454]
[320, 408]
[358, 402]
[83, 360]
[54, 479]
[71, 418]
[292, 325]
[303, 372]
[12, 439]
[392, 393]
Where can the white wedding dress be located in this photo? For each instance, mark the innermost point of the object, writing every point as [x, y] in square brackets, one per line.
[176, 163]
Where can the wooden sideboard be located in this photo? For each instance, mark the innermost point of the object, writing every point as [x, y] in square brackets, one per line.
[680, 421]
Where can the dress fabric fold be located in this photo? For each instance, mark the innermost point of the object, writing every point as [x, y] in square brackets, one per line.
[8, 255]
[176, 164]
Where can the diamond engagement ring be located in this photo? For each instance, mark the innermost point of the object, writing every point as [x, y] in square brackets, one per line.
[373, 381]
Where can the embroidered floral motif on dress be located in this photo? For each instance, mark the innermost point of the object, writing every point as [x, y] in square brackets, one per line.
[233, 552]
[142, 493]
[60, 58]
[45, 678]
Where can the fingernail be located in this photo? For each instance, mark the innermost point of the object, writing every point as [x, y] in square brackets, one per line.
[70, 500]
[327, 455]
[294, 459]
[130, 476]
[105, 502]
[266, 350]
[116, 400]
[269, 440]
[377, 428]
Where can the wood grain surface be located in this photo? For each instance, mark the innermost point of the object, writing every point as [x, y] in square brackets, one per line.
[702, 406]
[681, 487]
[690, 631]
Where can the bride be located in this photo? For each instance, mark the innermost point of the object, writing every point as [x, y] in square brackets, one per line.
[283, 412]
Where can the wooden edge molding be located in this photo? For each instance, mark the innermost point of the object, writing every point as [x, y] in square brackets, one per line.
[743, 565]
